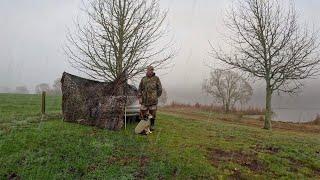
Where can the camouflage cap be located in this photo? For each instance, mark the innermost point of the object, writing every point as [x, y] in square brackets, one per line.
[150, 68]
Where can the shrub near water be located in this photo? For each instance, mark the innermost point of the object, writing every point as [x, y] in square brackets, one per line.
[316, 121]
[218, 108]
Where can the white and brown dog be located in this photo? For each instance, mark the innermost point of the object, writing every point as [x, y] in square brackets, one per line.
[143, 126]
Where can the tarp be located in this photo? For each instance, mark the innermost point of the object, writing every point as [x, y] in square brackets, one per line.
[94, 103]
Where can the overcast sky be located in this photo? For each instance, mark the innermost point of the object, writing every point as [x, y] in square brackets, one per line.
[32, 34]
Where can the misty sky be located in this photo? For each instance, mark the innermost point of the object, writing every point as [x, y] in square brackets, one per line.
[33, 32]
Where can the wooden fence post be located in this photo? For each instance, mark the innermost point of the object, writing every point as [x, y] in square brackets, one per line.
[43, 103]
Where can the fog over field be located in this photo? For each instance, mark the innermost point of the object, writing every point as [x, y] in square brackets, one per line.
[33, 32]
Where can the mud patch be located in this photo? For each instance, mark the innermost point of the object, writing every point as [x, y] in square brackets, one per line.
[295, 164]
[73, 170]
[141, 173]
[317, 172]
[13, 176]
[175, 172]
[266, 149]
[298, 164]
[218, 156]
[93, 132]
[236, 175]
[123, 161]
[92, 168]
[229, 138]
[144, 160]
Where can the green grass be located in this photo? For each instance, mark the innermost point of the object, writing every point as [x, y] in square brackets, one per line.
[182, 148]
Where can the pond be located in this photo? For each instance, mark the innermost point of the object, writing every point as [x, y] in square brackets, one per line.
[295, 114]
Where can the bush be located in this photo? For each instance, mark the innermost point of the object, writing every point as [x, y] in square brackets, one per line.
[316, 121]
[218, 108]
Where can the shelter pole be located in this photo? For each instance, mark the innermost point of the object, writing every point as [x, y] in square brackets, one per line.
[125, 118]
[43, 103]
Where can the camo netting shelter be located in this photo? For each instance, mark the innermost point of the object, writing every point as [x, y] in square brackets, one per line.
[94, 103]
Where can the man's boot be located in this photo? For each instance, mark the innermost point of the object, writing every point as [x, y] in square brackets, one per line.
[152, 128]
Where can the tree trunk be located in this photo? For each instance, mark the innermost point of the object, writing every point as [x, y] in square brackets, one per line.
[268, 113]
[227, 107]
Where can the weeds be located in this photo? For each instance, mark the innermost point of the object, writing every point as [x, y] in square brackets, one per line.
[218, 108]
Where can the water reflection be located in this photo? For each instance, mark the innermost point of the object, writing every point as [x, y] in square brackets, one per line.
[295, 115]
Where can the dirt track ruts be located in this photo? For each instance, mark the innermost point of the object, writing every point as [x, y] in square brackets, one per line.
[189, 114]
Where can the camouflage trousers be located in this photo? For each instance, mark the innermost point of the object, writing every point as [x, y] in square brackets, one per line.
[145, 110]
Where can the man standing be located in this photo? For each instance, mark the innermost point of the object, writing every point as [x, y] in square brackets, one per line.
[150, 90]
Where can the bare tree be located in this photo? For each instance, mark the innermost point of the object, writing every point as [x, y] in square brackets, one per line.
[164, 97]
[4, 89]
[22, 90]
[228, 88]
[121, 37]
[267, 42]
[56, 87]
[42, 87]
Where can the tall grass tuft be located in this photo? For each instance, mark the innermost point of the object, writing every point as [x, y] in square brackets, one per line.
[218, 108]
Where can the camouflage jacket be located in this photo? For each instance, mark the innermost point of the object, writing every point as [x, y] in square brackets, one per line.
[150, 90]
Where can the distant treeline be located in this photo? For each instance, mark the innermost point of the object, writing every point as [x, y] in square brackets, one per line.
[55, 89]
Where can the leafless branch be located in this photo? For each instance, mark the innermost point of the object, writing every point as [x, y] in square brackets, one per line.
[267, 41]
[120, 37]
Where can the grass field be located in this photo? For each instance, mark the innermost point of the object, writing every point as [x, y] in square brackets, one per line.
[182, 147]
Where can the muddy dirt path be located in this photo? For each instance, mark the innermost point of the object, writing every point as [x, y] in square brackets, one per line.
[236, 119]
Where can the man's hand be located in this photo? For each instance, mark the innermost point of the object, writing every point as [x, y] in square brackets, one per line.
[140, 98]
